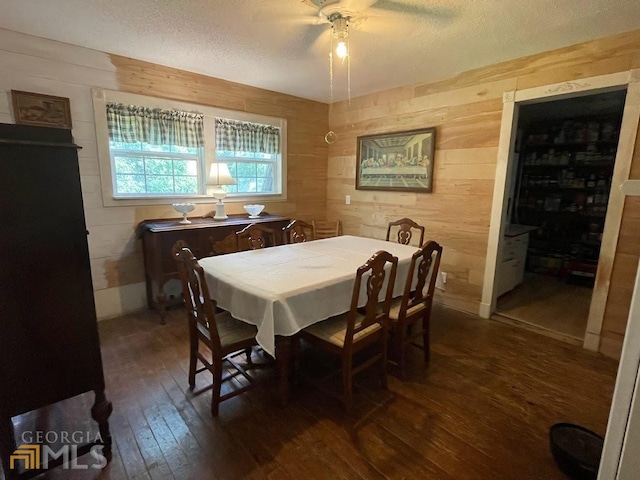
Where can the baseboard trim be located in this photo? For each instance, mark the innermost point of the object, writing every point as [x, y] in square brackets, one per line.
[537, 329]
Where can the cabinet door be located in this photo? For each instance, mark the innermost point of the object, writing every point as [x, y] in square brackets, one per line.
[520, 254]
[508, 249]
[49, 348]
[506, 276]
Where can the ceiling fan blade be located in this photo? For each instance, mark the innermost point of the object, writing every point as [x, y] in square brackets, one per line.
[440, 14]
[311, 3]
[343, 7]
[287, 18]
[357, 5]
[383, 25]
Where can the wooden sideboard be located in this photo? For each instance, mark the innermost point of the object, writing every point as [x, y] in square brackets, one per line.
[205, 237]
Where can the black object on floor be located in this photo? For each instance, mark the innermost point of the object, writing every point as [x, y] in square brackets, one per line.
[576, 450]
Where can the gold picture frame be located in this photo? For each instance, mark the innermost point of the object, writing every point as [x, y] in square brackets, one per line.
[398, 161]
[41, 110]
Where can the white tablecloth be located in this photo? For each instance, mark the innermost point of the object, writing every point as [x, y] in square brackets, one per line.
[284, 289]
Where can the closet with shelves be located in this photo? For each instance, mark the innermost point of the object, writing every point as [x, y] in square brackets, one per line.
[562, 166]
[564, 181]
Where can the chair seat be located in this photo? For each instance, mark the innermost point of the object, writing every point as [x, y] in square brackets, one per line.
[231, 330]
[333, 329]
[394, 313]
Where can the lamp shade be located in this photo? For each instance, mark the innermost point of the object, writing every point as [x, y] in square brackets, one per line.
[219, 175]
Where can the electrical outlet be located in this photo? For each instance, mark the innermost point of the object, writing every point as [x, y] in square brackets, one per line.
[441, 279]
[443, 276]
[347, 199]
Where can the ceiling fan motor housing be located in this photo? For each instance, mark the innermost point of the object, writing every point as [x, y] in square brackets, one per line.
[332, 10]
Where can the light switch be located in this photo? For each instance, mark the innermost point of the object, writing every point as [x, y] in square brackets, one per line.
[347, 199]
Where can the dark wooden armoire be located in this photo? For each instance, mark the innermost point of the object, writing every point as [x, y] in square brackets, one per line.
[49, 345]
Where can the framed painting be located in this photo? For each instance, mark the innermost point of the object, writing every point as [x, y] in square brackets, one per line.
[399, 161]
[41, 110]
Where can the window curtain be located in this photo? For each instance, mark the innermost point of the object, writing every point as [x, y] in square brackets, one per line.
[131, 123]
[237, 136]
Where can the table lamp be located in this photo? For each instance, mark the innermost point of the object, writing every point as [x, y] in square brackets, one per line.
[219, 175]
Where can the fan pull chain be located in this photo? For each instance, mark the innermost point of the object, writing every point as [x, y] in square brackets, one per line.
[331, 136]
[349, 71]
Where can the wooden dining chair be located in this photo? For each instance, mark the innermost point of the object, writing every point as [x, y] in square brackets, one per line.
[255, 236]
[228, 244]
[410, 314]
[297, 232]
[175, 250]
[325, 229]
[349, 333]
[222, 334]
[405, 226]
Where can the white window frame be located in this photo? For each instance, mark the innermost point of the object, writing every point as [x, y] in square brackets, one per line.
[100, 99]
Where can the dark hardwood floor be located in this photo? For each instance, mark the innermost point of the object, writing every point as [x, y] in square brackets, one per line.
[482, 410]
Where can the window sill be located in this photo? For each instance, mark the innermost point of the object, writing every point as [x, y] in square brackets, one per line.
[198, 199]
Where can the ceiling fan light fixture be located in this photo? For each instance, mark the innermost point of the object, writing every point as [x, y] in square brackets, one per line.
[340, 31]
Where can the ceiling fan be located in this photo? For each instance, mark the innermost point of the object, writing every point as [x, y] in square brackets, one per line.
[372, 16]
[387, 9]
[346, 8]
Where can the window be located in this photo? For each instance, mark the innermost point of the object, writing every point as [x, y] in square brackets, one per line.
[141, 168]
[153, 150]
[251, 151]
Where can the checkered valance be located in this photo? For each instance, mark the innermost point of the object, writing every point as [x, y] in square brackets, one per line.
[130, 123]
[237, 136]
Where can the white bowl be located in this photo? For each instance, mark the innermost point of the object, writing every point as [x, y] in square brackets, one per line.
[184, 208]
[253, 210]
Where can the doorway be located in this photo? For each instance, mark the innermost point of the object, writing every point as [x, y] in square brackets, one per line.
[562, 168]
[512, 101]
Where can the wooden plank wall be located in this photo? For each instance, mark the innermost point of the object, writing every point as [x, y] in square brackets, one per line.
[466, 111]
[38, 65]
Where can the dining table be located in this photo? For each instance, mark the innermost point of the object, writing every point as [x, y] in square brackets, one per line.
[283, 289]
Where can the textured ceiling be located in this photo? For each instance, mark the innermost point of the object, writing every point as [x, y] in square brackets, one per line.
[283, 45]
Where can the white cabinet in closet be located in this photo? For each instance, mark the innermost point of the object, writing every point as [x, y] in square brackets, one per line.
[513, 257]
